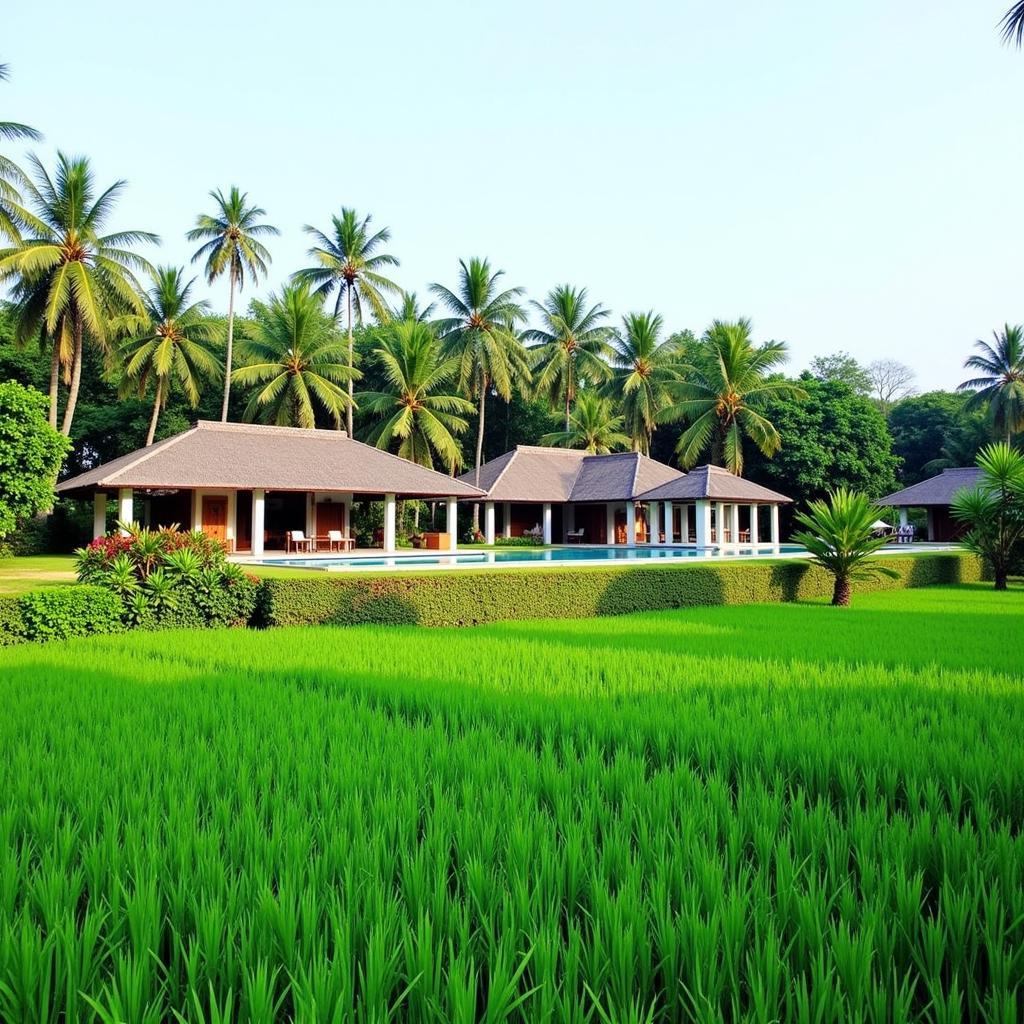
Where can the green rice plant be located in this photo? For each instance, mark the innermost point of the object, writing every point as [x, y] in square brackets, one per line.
[755, 813]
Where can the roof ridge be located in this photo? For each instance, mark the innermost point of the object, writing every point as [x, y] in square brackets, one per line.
[636, 474]
[405, 462]
[504, 469]
[271, 428]
[150, 451]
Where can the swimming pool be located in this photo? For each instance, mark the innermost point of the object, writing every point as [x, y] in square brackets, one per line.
[529, 556]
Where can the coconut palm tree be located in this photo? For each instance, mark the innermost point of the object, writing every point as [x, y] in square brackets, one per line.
[231, 245]
[408, 308]
[1012, 24]
[1001, 384]
[593, 426]
[721, 394]
[295, 353]
[349, 261]
[481, 335]
[417, 406]
[174, 339]
[12, 213]
[840, 536]
[70, 280]
[643, 366]
[571, 344]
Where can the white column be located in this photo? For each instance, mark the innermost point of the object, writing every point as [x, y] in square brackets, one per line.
[630, 523]
[653, 526]
[670, 524]
[125, 507]
[734, 523]
[703, 532]
[489, 522]
[903, 517]
[775, 524]
[754, 533]
[506, 523]
[719, 522]
[609, 523]
[99, 514]
[452, 523]
[310, 514]
[389, 524]
[197, 510]
[547, 522]
[348, 515]
[259, 504]
[232, 533]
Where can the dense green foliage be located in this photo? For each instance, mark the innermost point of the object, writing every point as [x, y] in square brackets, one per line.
[31, 452]
[471, 597]
[58, 613]
[831, 438]
[788, 814]
[935, 431]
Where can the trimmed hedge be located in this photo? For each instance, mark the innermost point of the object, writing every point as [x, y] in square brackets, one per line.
[468, 598]
[60, 613]
[10, 621]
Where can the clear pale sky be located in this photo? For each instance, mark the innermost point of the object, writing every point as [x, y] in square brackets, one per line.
[849, 176]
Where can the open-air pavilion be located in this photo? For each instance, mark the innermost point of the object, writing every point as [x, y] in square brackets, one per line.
[935, 496]
[252, 486]
[621, 499]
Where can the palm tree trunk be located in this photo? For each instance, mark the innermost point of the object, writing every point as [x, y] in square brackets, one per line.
[54, 381]
[76, 379]
[1000, 578]
[841, 592]
[351, 368]
[156, 412]
[230, 350]
[479, 448]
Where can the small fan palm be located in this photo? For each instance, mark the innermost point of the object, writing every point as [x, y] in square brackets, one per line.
[231, 245]
[418, 407]
[481, 335]
[296, 358]
[839, 534]
[70, 280]
[994, 510]
[1000, 387]
[643, 366]
[349, 261]
[571, 345]
[173, 340]
[593, 426]
[721, 394]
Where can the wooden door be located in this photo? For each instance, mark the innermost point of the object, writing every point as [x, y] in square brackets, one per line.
[215, 517]
[329, 517]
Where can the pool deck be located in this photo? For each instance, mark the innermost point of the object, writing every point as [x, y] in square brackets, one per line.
[468, 558]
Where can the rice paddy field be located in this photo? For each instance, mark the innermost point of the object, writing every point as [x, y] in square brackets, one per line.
[784, 813]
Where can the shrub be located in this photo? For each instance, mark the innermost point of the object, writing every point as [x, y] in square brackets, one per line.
[466, 598]
[11, 631]
[62, 612]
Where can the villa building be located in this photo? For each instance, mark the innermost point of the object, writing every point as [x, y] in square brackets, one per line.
[935, 496]
[622, 498]
[250, 486]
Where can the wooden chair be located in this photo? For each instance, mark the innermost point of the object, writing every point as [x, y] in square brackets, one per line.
[299, 539]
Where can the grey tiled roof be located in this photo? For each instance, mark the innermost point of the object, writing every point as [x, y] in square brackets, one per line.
[715, 484]
[534, 474]
[244, 455]
[938, 490]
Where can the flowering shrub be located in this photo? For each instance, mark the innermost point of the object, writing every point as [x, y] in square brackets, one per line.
[168, 577]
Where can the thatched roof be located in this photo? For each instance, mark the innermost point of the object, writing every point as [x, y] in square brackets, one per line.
[938, 490]
[243, 456]
[714, 484]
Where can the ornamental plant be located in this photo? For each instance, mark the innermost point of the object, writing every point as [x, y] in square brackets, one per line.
[168, 577]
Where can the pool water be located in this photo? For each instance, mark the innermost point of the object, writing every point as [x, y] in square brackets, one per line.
[528, 556]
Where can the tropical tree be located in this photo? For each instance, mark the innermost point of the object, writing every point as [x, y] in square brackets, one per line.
[11, 175]
[231, 245]
[408, 308]
[722, 394]
[296, 357]
[643, 366]
[1000, 387]
[417, 407]
[593, 426]
[481, 335]
[174, 339]
[840, 536]
[1012, 24]
[570, 345]
[349, 262]
[70, 280]
[993, 511]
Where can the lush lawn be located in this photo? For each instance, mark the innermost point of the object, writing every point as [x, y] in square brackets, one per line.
[22, 574]
[780, 812]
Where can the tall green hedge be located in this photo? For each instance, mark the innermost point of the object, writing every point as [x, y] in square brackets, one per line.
[467, 598]
[58, 613]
